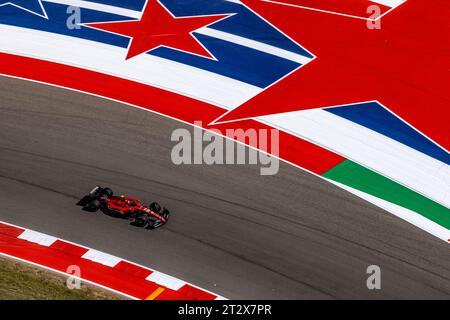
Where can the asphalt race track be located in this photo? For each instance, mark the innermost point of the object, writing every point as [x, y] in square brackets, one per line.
[232, 231]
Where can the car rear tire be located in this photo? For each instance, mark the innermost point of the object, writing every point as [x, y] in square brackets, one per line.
[106, 192]
[94, 205]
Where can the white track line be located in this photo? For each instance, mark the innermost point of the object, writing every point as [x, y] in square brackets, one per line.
[373, 150]
[162, 275]
[260, 46]
[169, 75]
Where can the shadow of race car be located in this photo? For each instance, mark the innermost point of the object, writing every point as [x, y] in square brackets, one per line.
[150, 217]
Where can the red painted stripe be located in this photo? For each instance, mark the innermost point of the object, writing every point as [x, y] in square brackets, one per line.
[125, 277]
[292, 149]
[418, 95]
[135, 93]
[69, 248]
[10, 231]
[172, 295]
[91, 271]
[195, 293]
[133, 269]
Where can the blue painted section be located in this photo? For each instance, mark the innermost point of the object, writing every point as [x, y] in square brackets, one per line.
[32, 5]
[57, 23]
[136, 5]
[235, 61]
[245, 23]
[375, 117]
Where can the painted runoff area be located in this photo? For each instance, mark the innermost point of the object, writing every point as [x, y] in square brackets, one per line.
[102, 269]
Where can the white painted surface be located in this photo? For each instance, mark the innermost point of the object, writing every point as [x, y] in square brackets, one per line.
[389, 3]
[166, 280]
[405, 214]
[392, 159]
[30, 234]
[158, 72]
[132, 14]
[254, 45]
[101, 257]
[99, 7]
[37, 237]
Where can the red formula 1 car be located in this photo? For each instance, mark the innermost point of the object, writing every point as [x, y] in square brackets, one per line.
[150, 217]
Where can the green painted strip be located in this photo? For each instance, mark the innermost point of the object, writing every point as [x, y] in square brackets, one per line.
[363, 179]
